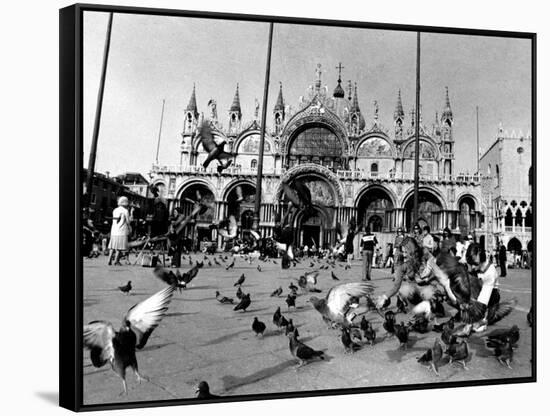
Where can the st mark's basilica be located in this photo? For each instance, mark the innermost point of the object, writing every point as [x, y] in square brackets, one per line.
[352, 165]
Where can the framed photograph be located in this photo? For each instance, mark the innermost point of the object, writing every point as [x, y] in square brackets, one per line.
[264, 207]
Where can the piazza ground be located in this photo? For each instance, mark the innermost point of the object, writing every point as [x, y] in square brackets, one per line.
[201, 339]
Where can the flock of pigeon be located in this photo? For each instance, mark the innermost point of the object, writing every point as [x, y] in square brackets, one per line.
[340, 309]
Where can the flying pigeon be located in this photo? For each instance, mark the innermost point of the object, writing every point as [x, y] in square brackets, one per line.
[214, 150]
[119, 347]
[335, 307]
[228, 228]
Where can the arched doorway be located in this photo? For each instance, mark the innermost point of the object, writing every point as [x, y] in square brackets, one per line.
[429, 210]
[199, 229]
[514, 245]
[240, 203]
[310, 228]
[466, 216]
[374, 209]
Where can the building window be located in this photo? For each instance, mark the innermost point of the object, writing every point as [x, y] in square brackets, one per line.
[253, 164]
[497, 176]
[374, 169]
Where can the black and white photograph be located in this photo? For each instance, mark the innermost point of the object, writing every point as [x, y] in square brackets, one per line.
[280, 208]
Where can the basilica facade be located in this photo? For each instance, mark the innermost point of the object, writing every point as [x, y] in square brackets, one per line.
[353, 167]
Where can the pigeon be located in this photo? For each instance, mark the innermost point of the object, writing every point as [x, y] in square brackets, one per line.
[239, 293]
[432, 356]
[500, 310]
[369, 333]
[293, 287]
[217, 262]
[420, 324]
[504, 334]
[276, 316]
[203, 391]
[277, 292]
[205, 258]
[530, 317]
[291, 328]
[301, 351]
[259, 268]
[299, 194]
[190, 261]
[176, 279]
[209, 263]
[335, 307]
[244, 303]
[436, 306]
[308, 281]
[126, 288]
[291, 301]
[223, 299]
[334, 277]
[349, 346]
[458, 351]
[311, 264]
[402, 333]
[230, 266]
[240, 281]
[283, 322]
[214, 150]
[119, 347]
[258, 326]
[389, 322]
[503, 349]
[401, 305]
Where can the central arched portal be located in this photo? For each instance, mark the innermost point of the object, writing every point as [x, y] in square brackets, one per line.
[311, 228]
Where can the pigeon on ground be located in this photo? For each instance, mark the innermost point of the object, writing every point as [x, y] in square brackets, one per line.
[401, 305]
[458, 351]
[433, 356]
[203, 391]
[335, 307]
[301, 351]
[276, 316]
[215, 151]
[334, 277]
[258, 326]
[119, 347]
[223, 299]
[240, 281]
[503, 334]
[209, 263]
[277, 292]
[420, 324]
[230, 266]
[389, 322]
[283, 322]
[503, 349]
[291, 301]
[244, 303]
[239, 293]
[291, 328]
[349, 346]
[126, 288]
[402, 333]
[259, 268]
[293, 287]
[217, 262]
[436, 306]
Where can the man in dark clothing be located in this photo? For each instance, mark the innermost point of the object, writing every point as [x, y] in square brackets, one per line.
[502, 260]
[368, 244]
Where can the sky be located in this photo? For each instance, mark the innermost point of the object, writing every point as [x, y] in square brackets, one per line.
[157, 57]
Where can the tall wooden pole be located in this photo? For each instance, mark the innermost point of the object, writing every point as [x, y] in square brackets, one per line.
[477, 138]
[417, 131]
[99, 105]
[160, 132]
[258, 201]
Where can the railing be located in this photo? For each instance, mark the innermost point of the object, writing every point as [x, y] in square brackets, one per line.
[359, 174]
[232, 170]
[517, 229]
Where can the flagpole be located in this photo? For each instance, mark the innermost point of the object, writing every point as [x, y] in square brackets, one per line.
[417, 131]
[160, 132]
[258, 200]
[477, 137]
[99, 105]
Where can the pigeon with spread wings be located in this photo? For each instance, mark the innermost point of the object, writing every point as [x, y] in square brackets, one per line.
[214, 150]
[335, 307]
[119, 347]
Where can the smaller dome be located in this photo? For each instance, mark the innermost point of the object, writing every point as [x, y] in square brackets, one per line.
[339, 91]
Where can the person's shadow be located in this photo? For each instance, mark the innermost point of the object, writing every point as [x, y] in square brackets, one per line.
[51, 397]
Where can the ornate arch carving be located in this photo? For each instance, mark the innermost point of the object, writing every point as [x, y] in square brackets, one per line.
[316, 170]
[233, 184]
[195, 181]
[423, 138]
[392, 196]
[434, 191]
[373, 135]
[314, 114]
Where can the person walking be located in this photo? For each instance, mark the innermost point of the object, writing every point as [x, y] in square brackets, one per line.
[368, 243]
[427, 239]
[502, 259]
[120, 230]
[448, 245]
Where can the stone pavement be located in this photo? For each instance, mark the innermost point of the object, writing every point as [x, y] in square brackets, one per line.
[201, 339]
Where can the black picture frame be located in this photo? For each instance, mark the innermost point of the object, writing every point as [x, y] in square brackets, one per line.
[71, 164]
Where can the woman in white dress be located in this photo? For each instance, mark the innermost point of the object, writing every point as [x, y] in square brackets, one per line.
[120, 230]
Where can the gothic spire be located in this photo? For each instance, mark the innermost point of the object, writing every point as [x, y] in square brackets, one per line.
[192, 106]
[399, 113]
[355, 104]
[447, 112]
[280, 105]
[236, 105]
